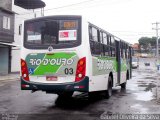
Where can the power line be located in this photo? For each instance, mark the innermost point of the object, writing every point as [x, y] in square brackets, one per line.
[134, 32]
[75, 4]
[65, 6]
[129, 33]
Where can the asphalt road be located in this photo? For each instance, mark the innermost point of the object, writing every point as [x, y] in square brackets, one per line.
[142, 96]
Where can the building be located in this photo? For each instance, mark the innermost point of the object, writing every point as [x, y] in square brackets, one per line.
[6, 35]
[12, 15]
[24, 10]
[136, 46]
[136, 49]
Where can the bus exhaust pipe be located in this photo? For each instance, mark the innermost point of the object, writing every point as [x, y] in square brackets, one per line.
[35, 89]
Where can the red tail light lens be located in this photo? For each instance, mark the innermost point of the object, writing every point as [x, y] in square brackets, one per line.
[24, 70]
[81, 69]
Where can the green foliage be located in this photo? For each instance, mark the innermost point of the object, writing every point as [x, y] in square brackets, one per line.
[153, 41]
[146, 42]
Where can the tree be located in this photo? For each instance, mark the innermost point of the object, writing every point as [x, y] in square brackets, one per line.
[153, 41]
[144, 42]
[147, 43]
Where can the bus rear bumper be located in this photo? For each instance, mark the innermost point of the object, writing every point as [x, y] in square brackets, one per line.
[82, 86]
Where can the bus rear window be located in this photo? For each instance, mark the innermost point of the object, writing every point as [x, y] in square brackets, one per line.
[49, 32]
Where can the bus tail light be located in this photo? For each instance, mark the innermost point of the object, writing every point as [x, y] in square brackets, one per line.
[24, 70]
[81, 69]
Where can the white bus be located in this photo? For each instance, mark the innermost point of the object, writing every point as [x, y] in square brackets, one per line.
[63, 54]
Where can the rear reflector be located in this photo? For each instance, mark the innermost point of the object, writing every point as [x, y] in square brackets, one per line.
[78, 87]
[24, 86]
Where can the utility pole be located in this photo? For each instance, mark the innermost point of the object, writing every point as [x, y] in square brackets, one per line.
[157, 46]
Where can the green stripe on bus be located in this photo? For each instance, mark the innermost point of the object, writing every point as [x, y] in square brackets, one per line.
[47, 68]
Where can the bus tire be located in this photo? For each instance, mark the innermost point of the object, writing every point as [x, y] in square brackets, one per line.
[123, 85]
[109, 89]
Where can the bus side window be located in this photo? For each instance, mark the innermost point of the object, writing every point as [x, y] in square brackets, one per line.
[101, 43]
[113, 52]
[127, 57]
[105, 42]
[109, 45]
[112, 42]
[108, 40]
[101, 37]
[125, 50]
[121, 49]
[105, 38]
[128, 53]
[90, 33]
[94, 44]
[94, 34]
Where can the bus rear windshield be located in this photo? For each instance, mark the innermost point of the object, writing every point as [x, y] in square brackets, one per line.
[63, 33]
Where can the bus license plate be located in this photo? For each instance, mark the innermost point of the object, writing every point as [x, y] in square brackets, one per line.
[51, 78]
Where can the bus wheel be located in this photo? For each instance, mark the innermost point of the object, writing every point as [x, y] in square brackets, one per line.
[109, 90]
[67, 94]
[123, 85]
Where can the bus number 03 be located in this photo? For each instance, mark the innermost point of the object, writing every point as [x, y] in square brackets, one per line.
[68, 71]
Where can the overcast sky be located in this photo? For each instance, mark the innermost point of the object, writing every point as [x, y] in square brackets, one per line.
[127, 19]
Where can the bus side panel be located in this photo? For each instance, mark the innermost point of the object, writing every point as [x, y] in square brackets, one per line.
[101, 69]
[98, 83]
